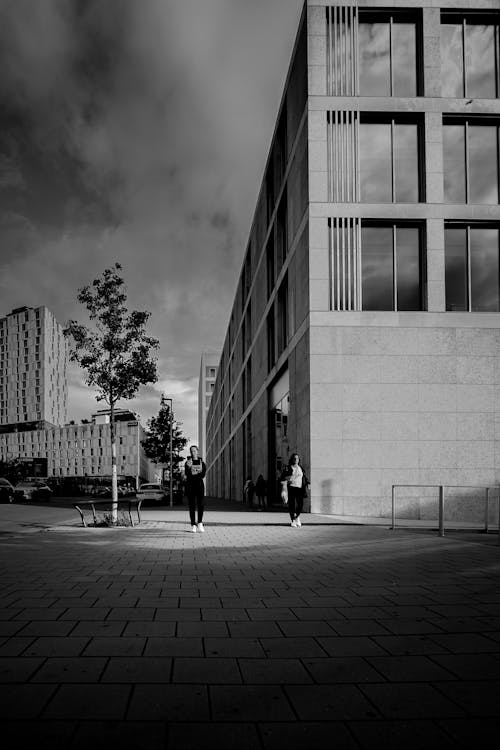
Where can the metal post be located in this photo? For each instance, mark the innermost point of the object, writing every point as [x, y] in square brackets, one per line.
[171, 494]
[487, 511]
[393, 507]
[441, 510]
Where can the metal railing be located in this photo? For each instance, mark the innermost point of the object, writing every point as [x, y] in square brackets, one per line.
[441, 499]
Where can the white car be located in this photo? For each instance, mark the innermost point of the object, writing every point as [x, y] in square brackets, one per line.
[151, 492]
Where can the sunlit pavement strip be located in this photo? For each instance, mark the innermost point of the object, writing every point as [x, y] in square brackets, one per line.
[252, 635]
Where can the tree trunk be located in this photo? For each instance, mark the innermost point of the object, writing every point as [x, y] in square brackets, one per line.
[114, 478]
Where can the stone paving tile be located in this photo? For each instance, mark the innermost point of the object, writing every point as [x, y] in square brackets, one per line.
[110, 646]
[17, 670]
[67, 669]
[41, 613]
[201, 671]
[395, 735]
[23, 701]
[85, 613]
[257, 629]
[139, 669]
[125, 735]
[468, 733]
[98, 628]
[466, 643]
[10, 627]
[165, 614]
[225, 614]
[202, 629]
[220, 736]
[285, 647]
[42, 735]
[476, 698]
[15, 646]
[173, 647]
[350, 646]
[342, 669]
[310, 628]
[359, 627]
[129, 614]
[233, 647]
[249, 703]
[407, 627]
[470, 666]
[408, 645]
[271, 613]
[411, 701]
[410, 668]
[297, 736]
[329, 702]
[169, 703]
[274, 672]
[57, 646]
[91, 701]
[162, 629]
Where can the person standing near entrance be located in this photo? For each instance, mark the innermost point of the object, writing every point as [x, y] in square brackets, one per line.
[195, 470]
[297, 483]
[261, 491]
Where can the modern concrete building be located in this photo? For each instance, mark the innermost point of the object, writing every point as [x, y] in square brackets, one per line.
[84, 450]
[365, 332]
[208, 371]
[33, 362]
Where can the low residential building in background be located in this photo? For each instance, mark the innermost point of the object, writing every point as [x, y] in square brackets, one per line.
[84, 450]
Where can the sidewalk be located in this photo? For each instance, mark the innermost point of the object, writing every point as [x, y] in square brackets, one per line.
[252, 635]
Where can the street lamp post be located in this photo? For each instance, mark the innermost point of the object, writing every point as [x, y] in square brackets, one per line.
[170, 445]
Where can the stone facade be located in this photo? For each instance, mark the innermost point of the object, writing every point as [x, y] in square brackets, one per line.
[376, 396]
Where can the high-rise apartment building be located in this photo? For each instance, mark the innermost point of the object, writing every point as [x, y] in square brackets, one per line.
[33, 362]
[208, 372]
[365, 332]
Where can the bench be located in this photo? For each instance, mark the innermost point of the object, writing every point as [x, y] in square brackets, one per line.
[130, 502]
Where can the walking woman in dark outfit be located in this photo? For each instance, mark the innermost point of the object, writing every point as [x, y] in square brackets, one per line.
[195, 470]
[297, 483]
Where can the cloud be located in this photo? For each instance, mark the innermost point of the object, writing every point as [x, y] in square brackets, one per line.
[137, 132]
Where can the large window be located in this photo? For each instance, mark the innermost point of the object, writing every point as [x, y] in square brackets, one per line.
[389, 161]
[472, 268]
[388, 52]
[470, 55]
[470, 161]
[391, 267]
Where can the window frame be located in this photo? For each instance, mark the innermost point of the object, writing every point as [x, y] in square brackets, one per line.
[386, 15]
[468, 225]
[394, 226]
[474, 18]
[466, 121]
[392, 119]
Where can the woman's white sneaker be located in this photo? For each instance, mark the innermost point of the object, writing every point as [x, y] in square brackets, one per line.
[200, 527]
[298, 523]
[294, 524]
[194, 529]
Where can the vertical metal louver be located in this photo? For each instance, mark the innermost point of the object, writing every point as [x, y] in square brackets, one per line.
[341, 49]
[345, 263]
[343, 156]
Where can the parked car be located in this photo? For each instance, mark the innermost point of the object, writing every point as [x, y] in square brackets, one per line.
[33, 489]
[6, 491]
[150, 491]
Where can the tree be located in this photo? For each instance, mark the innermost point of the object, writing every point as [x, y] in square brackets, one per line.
[157, 441]
[13, 470]
[115, 352]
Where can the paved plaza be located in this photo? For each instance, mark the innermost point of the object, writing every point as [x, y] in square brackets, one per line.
[252, 635]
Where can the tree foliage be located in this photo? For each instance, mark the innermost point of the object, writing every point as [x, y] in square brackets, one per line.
[157, 441]
[115, 351]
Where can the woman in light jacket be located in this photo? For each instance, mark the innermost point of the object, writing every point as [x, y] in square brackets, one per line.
[297, 484]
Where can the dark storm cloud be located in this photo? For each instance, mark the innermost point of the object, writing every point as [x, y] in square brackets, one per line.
[136, 130]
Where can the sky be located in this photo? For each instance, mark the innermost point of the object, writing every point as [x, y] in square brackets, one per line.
[136, 131]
